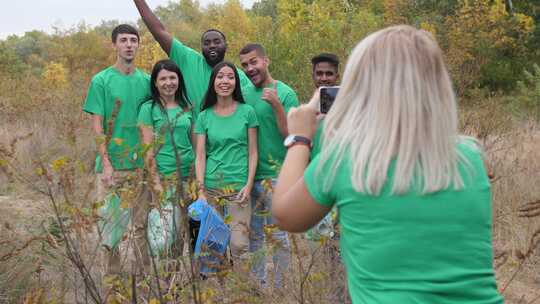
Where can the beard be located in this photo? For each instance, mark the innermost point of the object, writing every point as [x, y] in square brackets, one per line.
[212, 61]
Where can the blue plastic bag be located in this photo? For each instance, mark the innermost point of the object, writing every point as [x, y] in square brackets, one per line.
[213, 237]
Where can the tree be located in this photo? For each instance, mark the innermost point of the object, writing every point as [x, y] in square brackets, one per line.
[486, 47]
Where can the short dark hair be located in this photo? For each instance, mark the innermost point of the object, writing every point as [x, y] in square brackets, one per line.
[250, 47]
[124, 29]
[214, 30]
[326, 57]
[210, 98]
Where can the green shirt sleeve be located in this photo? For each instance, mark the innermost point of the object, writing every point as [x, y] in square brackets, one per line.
[145, 115]
[95, 99]
[290, 101]
[252, 120]
[183, 55]
[316, 149]
[244, 80]
[200, 125]
[314, 179]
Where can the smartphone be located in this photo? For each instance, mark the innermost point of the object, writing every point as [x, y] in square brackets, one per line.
[328, 95]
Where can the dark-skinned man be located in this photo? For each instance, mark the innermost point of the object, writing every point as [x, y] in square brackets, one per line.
[325, 73]
[271, 100]
[196, 66]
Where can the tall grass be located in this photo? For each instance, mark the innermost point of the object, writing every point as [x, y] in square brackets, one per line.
[46, 144]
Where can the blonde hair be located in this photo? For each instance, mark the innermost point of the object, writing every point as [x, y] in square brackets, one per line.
[396, 102]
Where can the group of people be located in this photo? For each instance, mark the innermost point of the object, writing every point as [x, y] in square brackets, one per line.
[413, 199]
[197, 113]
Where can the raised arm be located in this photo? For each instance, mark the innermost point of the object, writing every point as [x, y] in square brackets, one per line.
[270, 96]
[155, 26]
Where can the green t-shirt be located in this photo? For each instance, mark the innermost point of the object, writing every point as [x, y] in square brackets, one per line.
[317, 144]
[131, 90]
[197, 73]
[271, 149]
[414, 248]
[227, 152]
[153, 116]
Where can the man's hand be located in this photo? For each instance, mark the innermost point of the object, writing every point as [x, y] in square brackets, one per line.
[158, 191]
[270, 95]
[244, 194]
[107, 174]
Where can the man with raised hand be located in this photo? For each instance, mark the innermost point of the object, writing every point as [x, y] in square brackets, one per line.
[196, 66]
[271, 100]
[113, 101]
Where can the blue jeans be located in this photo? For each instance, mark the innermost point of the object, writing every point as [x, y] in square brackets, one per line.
[278, 244]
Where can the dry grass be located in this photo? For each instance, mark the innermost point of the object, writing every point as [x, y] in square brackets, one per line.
[61, 130]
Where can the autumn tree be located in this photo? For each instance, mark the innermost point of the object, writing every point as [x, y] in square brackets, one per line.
[485, 45]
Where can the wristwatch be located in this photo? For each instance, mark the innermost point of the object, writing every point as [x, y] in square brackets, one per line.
[292, 140]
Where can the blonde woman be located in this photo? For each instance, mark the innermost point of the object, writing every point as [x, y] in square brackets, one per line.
[413, 196]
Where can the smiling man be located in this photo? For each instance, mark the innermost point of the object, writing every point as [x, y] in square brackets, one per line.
[196, 66]
[113, 100]
[325, 70]
[271, 100]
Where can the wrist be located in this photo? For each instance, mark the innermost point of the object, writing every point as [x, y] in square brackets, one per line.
[297, 140]
[276, 105]
[107, 164]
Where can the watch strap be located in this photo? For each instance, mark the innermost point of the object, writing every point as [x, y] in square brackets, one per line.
[299, 140]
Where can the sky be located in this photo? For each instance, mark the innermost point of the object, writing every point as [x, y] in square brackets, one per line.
[18, 16]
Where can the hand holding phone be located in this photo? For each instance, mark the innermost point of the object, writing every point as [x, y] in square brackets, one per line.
[327, 98]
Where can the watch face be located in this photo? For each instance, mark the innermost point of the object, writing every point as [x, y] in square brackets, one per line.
[288, 140]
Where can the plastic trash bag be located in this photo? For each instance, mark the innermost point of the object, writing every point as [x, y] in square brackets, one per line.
[162, 226]
[114, 221]
[213, 237]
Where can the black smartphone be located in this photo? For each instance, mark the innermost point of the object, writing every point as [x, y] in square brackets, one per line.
[328, 95]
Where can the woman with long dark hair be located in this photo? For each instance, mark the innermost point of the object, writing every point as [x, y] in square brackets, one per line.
[226, 132]
[413, 195]
[165, 122]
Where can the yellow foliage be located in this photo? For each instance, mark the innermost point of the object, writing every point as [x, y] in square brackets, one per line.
[118, 141]
[239, 29]
[34, 297]
[149, 53]
[55, 75]
[207, 295]
[394, 11]
[426, 26]
[59, 163]
[479, 30]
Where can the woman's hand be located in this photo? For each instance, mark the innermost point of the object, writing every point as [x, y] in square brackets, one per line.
[158, 189]
[107, 176]
[303, 120]
[245, 192]
[202, 195]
